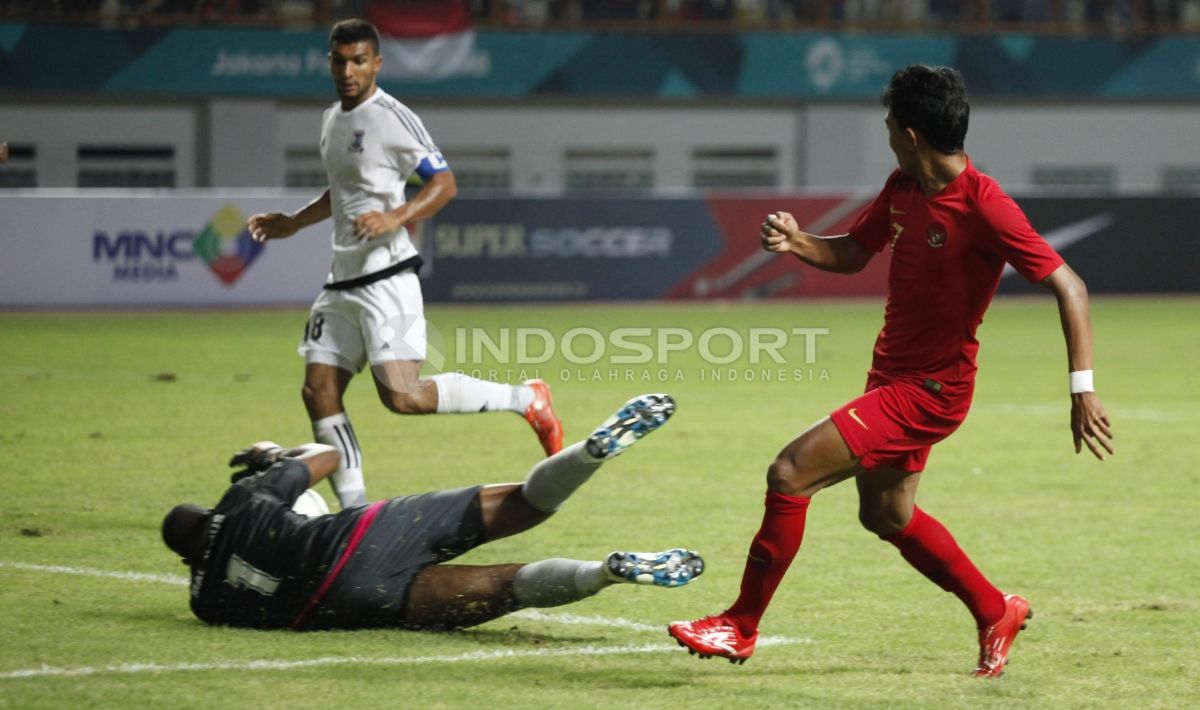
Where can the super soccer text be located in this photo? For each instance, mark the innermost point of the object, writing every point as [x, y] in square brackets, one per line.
[505, 241]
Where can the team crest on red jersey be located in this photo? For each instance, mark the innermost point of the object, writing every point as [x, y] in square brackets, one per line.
[937, 237]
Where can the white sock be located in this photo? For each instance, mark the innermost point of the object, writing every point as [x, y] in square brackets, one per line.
[552, 480]
[557, 581]
[459, 393]
[348, 479]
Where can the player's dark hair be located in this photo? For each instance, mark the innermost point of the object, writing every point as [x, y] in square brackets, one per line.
[352, 31]
[933, 102]
[180, 525]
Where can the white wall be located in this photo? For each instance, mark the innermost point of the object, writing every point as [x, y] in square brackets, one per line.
[242, 147]
[538, 136]
[1140, 140]
[847, 145]
[673, 133]
[230, 144]
[58, 130]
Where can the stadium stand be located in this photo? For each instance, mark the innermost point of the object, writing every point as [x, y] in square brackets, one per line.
[1050, 16]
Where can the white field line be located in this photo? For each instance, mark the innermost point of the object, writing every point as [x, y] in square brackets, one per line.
[91, 572]
[580, 620]
[280, 665]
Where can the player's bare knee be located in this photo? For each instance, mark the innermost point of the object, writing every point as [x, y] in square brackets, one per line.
[783, 476]
[309, 394]
[880, 522]
[401, 402]
[869, 521]
[319, 396]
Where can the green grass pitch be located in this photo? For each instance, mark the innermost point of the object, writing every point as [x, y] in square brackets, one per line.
[106, 420]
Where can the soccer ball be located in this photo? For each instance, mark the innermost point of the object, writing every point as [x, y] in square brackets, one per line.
[311, 503]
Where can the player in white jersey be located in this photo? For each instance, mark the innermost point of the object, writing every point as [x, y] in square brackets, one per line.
[371, 309]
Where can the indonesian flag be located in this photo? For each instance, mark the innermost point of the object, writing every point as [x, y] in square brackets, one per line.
[427, 40]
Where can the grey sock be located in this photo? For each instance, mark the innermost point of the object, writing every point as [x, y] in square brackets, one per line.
[557, 581]
[554, 479]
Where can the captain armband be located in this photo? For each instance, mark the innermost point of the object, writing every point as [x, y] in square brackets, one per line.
[433, 164]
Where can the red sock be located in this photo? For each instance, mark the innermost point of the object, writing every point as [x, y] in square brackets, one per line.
[770, 554]
[929, 546]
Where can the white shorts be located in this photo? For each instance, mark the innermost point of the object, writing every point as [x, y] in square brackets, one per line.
[378, 322]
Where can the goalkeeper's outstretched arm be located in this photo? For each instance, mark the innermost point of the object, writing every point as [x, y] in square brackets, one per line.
[321, 460]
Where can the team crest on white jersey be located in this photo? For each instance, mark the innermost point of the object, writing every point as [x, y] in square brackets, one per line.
[357, 146]
[937, 237]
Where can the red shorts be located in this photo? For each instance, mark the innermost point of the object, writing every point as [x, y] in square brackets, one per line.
[896, 422]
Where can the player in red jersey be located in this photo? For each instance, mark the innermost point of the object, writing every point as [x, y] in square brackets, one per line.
[950, 230]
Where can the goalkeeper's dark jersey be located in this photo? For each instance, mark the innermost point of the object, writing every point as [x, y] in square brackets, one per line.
[262, 563]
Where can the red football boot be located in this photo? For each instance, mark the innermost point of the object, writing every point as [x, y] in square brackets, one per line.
[540, 415]
[714, 636]
[996, 640]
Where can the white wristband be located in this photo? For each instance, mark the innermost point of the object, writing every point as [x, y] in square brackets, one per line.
[1081, 381]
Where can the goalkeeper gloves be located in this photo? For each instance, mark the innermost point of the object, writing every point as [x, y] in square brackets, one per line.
[256, 458]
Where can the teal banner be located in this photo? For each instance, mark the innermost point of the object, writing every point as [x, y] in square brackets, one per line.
[512, 65]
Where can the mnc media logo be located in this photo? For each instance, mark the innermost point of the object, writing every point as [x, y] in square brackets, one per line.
[226, 246]
[140, 255]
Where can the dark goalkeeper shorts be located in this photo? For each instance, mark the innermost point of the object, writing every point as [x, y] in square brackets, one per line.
[407, 535]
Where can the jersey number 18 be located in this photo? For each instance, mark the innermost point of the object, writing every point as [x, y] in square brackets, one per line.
[313, 328]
